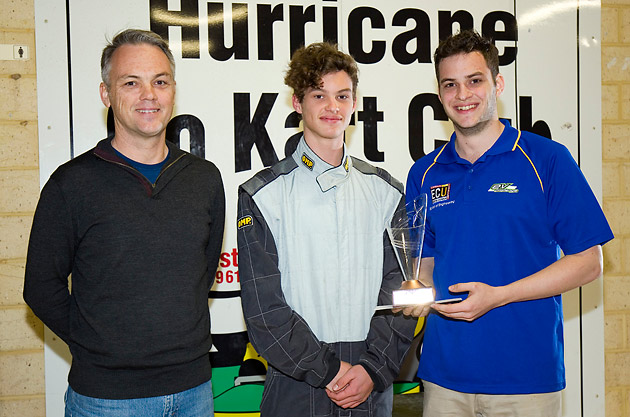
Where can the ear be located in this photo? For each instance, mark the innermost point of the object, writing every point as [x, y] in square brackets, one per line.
[500, 84]
[296, 104]
[104, 95]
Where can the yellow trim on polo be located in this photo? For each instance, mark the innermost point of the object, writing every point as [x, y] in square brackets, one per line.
[516, 145]
[431, 166]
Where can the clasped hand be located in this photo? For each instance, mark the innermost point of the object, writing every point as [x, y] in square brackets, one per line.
[351, 386]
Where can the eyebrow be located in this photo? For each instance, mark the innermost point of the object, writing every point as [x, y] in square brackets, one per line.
[343, 90]
[162, 74]
[469, 76]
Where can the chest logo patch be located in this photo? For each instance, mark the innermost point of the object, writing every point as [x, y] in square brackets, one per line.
[503, 187]
[308, 163]
[244, 222]
[440, 193]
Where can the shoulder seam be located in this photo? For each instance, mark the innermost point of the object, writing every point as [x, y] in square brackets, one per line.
[267, 175]
[370, 169]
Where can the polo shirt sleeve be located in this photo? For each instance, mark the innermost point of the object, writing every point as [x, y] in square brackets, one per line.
[576, 218]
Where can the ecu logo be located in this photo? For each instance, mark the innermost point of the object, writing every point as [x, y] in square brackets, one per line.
[244, 222]
[307, 162]
[440, 193]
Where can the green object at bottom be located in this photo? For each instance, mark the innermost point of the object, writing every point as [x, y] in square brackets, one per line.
[229, 398]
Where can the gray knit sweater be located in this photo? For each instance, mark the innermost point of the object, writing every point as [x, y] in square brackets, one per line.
[142, 258]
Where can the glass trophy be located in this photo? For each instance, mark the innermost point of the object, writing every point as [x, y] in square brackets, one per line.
[407, 235]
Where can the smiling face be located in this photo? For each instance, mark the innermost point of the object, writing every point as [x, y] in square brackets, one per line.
[468, 92]
[141, 92]
[326, 111]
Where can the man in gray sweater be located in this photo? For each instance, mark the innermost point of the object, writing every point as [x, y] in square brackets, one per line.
[138, 223]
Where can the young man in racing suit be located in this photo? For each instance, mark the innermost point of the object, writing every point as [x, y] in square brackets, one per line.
[315, 260]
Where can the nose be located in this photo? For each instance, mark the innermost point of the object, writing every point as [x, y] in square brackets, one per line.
[332, 105]
[148, 92]
[462, 92]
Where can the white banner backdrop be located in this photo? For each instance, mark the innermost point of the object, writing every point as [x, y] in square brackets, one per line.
[233, 108]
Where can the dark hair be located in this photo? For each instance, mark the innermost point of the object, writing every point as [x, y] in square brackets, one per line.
[132, 37]
[466, 42]
[309, 64]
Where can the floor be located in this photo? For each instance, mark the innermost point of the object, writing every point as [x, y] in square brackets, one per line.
[408, 405]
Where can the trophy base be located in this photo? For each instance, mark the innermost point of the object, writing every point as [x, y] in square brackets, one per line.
[412, 296]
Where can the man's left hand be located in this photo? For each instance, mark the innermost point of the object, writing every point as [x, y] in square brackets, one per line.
[352, 389]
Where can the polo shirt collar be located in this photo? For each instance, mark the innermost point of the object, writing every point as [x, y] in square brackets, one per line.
[326, 175]
[505, 143]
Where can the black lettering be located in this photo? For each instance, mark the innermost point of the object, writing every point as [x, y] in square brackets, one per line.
[330, 25]
[297, 22]
[489, 29]
[249, 132]
[292, 121]
[195, 130]
[421, 34]
[525, 119]
[370, 116]
[266, 17]
[216, 32]
[446, 20]
[161, 18]
[416, 122]
[355, 35]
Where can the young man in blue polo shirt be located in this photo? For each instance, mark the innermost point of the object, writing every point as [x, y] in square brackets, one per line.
[502, 205]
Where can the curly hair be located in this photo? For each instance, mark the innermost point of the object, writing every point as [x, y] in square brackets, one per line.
[466, 42]
[309, 64]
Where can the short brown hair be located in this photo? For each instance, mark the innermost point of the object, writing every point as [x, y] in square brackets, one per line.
[466, 42]
[309, 64]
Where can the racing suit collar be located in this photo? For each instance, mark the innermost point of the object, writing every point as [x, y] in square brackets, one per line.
[325, 174]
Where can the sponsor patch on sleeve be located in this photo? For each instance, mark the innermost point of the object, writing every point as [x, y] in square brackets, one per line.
[244, 222]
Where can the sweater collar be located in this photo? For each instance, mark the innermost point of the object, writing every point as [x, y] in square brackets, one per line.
[176, 161]
[105, 150]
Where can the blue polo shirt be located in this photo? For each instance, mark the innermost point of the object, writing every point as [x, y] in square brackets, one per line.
[500, 219]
